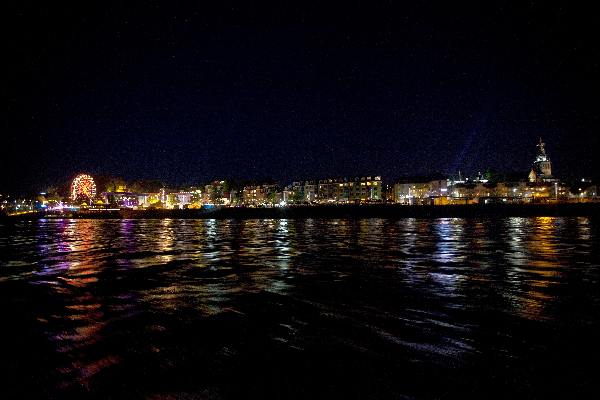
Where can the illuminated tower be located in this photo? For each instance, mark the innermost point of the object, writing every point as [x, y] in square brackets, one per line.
[542, 167]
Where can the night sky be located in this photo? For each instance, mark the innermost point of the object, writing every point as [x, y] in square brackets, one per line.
[188, 93]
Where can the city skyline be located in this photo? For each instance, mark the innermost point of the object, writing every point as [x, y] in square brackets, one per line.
[65, 184]
[535, 172]
[540, 185]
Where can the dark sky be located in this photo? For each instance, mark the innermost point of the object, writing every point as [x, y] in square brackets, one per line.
[188, 93]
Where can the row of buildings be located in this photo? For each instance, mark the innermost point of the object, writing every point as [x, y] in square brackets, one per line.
[540, 186]
[334, 190]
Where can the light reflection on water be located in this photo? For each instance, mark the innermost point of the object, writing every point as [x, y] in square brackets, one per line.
[423, 290]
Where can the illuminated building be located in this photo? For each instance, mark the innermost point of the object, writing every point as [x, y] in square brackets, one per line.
[293, 193]
[300, 192]
[121, 199]
[588, 192]
[542, 185]
[179, 200]
[148, 199]
[253, 195]
[344, 190]
[328, 190]
[365, 189]
[260, 195]
[541, 171]
[216, 193]
[420, 191]
[310, 191]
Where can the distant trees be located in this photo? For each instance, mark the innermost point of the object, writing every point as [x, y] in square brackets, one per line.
[272, 195]
[53, 195]
[491, 175]
[297, 197]
[137, 187]
[216, 194]
[225, 187]
[145, 186]
[113, 184]
[83, 200]
[196, 197]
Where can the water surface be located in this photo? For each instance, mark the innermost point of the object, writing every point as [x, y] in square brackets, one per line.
[371, 308]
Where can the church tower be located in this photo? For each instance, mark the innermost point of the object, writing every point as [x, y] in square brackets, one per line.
[542, 167]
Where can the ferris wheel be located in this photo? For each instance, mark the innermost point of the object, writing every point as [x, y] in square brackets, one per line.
[83, 186]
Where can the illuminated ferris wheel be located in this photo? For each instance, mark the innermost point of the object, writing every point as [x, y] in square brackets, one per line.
[83, 186]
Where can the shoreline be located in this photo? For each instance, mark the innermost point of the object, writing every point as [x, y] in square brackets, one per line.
[388, 211]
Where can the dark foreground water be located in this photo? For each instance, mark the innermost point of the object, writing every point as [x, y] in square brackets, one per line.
[372, 308]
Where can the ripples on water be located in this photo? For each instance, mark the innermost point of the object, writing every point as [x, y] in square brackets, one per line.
[299, 308]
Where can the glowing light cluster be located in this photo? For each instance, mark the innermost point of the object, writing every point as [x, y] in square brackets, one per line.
[83, 186]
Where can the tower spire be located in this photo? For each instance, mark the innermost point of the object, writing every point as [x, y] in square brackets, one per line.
[542, 153]
[542, 167]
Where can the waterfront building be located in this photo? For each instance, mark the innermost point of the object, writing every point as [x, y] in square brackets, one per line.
[387, 192]
[121, 199]
[235, 197]
[343, 190]
[148, 199]
[543, 186]
[179, 200]
[513, 192]
[365, 189]
[328, 190]
[473, 191]
[138, 200]
[260, 195]
[287, 195]
[409, 192]
[418, 191]
[195, 197]
[541, 170]
[310, 190]
[467, 192]
[216, 192]
[588, 192]
[293, 193]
